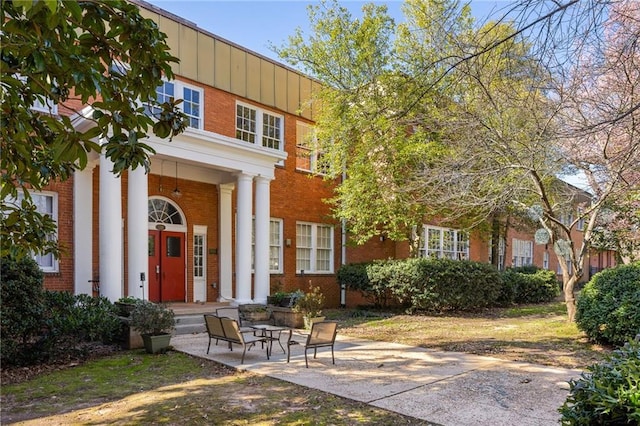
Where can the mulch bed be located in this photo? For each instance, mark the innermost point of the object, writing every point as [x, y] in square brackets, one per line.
[17, 374]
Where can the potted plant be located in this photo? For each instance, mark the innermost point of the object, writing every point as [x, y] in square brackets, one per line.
[125, 305]
[155, 322]
[310, 305]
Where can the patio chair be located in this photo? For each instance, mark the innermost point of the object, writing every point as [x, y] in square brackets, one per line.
[323, 334]
[234, 313]
[214, 329]
[233, 334]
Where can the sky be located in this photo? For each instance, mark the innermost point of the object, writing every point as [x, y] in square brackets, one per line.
[258, 24]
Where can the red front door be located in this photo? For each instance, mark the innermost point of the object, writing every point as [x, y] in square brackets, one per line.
[166, 266]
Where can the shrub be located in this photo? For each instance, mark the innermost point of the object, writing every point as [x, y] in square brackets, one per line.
[609, 393]
[81, 317]
[438, 284]
[311, 303]
[152, 318]
[354, 276]
[39, 325]
[526, 269]
[530, 285]
[608, 308]
[21, 318]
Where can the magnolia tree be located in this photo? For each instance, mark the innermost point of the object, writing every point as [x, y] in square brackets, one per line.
[95, 61]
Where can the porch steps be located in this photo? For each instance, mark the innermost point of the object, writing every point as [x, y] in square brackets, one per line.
[189, 324]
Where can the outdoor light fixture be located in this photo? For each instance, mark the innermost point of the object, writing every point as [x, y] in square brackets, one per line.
[176, 192]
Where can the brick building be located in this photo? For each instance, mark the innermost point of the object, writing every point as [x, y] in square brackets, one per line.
[232, 208]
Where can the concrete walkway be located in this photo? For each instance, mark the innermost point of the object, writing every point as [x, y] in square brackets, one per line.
[447, 388]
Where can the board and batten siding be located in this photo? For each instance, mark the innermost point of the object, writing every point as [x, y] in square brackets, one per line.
[216, 62]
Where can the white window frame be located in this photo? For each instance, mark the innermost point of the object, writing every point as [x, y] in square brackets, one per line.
[53, 265]
[581, 221]
[306, 147]
[569, 266]
[179, 88]
[47, 106]
[446, 244]
[259, 136]
[545, 260]
[501, 253]
[199, 271]
[521, 252]
[273, 245]
[313, 249]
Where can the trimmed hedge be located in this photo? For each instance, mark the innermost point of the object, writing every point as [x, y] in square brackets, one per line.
[530, 285]
[608, 308]
[609, 393]
[444, 284]
[426, 284]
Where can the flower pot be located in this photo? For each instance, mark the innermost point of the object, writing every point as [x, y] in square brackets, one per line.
[155, 343]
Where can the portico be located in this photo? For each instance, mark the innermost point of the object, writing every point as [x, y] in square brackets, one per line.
[224, 164]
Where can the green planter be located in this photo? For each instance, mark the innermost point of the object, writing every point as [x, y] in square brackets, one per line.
[156, 343]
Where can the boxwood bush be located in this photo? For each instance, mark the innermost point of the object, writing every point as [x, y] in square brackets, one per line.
[529, 285]
[608, 393]
[608, 308]
[437, 284]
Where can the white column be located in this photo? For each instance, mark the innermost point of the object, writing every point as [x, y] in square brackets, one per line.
[243, 238]
[137, 233]
[110, 232]
[261, 257]
[83, 230]
[225, 245]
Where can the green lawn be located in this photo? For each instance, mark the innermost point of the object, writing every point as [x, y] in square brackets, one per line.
[136, 388]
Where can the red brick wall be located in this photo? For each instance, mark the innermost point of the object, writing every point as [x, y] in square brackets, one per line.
[63, 279]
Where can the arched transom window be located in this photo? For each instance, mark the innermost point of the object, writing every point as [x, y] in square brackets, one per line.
[162, 211]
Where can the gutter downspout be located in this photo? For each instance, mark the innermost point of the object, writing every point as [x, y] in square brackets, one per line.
[343, 256]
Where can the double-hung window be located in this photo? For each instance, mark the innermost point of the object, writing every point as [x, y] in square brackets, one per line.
[545, 260]
[314, 248]
[275, 246]
[581, 220]
[569, 265]
[522, 252]
[191, 106]
[442, 243]
[255, 125]
[308, 157]
[46, 203]
[41, 104]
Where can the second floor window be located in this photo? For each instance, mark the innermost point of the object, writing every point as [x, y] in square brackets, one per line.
[191, 105]
[254, 125]
[308, 157]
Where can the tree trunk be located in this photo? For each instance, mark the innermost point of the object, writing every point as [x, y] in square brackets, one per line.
[569, 297]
